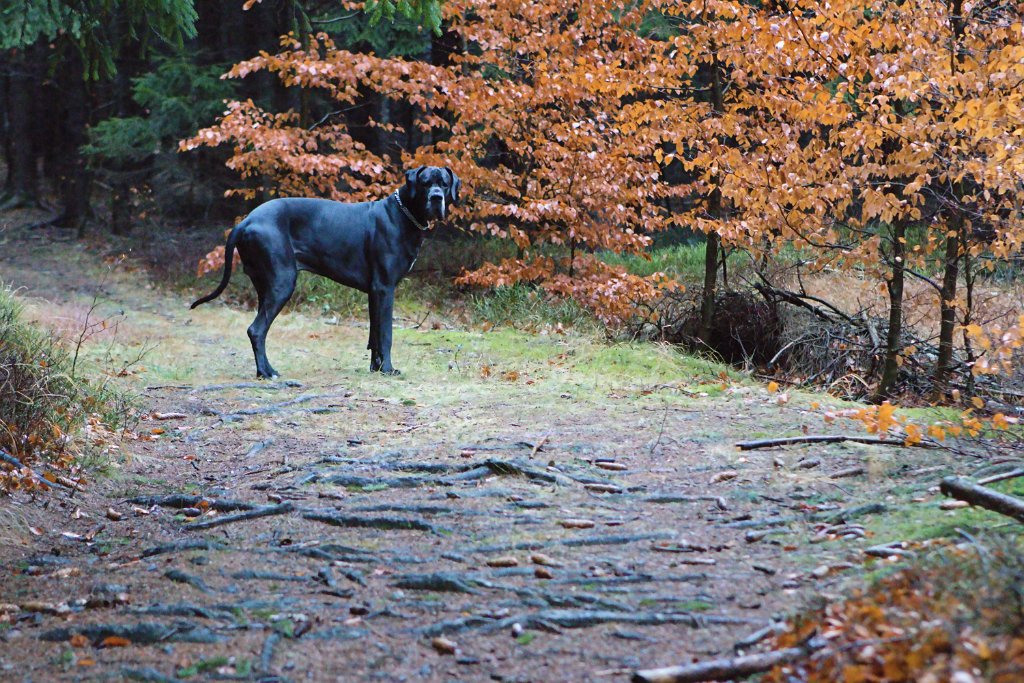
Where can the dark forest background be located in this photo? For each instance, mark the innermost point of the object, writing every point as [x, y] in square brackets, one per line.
[96, 95]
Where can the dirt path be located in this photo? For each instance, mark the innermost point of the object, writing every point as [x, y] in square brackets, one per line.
[558, 509]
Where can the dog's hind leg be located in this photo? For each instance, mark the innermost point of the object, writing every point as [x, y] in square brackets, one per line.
[271, 267]
[272, 299]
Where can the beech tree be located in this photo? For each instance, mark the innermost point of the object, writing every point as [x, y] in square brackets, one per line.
[846, 126]
[533, 121]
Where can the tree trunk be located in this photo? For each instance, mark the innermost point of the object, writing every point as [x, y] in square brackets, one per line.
[893, 345]
[969, 276]
[707, 299]
[954, 239]
[947, 308]
[712, 248]
[22, 180]
[120, 188]
[73, 177]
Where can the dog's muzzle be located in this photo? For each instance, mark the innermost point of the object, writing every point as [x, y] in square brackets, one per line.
[435, 206]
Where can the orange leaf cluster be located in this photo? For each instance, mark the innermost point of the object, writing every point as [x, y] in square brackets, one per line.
[950, 620]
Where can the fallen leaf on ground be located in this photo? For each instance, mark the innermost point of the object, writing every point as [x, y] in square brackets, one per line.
[115, 641]
[544, 560]
[724, 476]
[576, 523]
[444, 646]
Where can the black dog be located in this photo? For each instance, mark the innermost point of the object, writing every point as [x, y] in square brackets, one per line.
[369, 246]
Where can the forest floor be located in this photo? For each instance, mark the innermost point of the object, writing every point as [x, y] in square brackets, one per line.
[513, 507]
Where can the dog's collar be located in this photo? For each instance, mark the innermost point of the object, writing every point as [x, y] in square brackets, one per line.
[408, 213]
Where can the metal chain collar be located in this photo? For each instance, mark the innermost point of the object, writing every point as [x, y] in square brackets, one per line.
[408, 213]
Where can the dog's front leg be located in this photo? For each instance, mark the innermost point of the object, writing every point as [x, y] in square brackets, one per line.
[380, 355]
[374, 343]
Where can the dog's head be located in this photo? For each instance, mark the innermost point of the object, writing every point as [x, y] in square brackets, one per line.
[431, 191]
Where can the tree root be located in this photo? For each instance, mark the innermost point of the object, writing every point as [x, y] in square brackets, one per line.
[287, 383]
[255, 513]
[267, 653]
[180, 500]
[355, 521]
[144, 633]
[254, 575]
[574, 542]
[179, 546]
[580, 618]
[179, 576]
[827, 516]
[148, 675]
[441, 582]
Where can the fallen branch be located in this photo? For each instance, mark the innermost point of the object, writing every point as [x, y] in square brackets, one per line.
[17, 464]
[828, 438]
[962, 489]
[255, 513]
[1013, 474]
[729, 668]
[887, 550]
[772, 629]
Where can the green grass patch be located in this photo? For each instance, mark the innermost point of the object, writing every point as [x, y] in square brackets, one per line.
[524, 306]
[924, 521]
[526, 638]
[203, 665]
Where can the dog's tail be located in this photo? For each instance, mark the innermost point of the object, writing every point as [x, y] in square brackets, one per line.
[229, 257]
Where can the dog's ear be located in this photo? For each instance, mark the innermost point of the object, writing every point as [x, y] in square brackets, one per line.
[453, 187]
[411, 177]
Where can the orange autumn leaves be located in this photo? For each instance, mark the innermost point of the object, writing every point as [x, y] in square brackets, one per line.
[535, 122]
[952, 619]
[810, 124]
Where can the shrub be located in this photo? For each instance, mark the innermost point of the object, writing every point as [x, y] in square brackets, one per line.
[42, 403]
[960, 610]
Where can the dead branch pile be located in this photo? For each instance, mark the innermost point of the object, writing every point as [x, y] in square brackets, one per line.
[747, 330]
